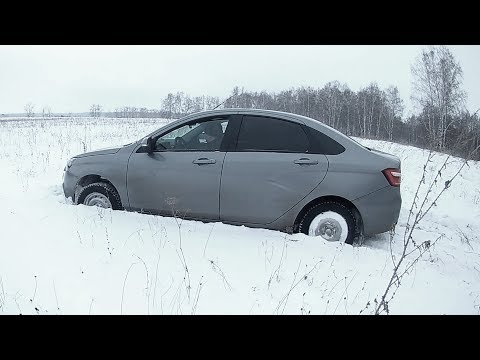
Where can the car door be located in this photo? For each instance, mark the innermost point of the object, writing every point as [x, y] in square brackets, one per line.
[182, 175]
[269, 172]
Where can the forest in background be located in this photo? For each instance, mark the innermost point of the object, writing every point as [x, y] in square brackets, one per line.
[441, 123]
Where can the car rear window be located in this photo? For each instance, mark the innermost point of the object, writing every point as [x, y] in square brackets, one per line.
[323, 144]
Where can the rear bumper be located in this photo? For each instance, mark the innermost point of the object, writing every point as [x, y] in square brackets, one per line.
[379, 210]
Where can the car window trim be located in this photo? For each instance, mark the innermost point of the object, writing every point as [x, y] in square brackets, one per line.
[191, 122]
[301, 124]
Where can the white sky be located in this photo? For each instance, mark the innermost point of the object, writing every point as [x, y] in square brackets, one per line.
[71, 78]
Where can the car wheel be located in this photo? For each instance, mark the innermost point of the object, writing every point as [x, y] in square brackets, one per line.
[101, 195]
[331, 221]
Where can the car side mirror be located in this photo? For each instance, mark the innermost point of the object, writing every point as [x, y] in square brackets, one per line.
[147, 146]
[150, 145]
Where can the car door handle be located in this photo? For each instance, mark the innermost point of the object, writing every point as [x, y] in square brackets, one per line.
[305, 161]
[204, 161]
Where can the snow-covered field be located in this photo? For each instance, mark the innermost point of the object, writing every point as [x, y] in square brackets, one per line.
[57, 258]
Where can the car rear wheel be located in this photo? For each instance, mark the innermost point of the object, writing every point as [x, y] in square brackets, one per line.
[100, 194]
[330, 221]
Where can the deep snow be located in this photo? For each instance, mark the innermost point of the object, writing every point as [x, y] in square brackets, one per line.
[57, 258]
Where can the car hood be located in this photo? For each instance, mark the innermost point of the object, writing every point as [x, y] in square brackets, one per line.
[106, 151]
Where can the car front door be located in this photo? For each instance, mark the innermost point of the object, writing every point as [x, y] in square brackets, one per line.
[269, 172]
[182, 175]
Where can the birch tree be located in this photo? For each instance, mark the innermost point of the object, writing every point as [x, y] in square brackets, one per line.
[46, 112]
[437, 89]
[395, 109]
[29, 109]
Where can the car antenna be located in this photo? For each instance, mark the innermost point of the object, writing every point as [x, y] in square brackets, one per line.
[222, 102]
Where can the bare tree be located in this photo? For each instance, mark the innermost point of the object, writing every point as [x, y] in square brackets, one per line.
[46, 112]
[168, 104]
[437, 90]
[96, 110]
[395, 107]
[29, 109]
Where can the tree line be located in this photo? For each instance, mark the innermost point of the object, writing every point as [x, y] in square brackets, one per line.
[173, 106]
[441, 122]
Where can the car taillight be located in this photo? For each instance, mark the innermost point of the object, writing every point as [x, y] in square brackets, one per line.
[394, 176]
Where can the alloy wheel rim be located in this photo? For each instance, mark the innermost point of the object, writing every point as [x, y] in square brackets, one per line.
[329, 226]
[97, 199]
[329, 229]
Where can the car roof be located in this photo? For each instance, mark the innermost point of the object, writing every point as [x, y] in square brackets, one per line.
[249, 111]
[316, 124]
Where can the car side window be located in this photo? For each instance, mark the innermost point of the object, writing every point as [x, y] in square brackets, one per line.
[258, 133]
[323, 144]
[198, 136]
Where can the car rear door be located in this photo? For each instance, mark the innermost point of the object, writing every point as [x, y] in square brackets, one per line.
[269, 171]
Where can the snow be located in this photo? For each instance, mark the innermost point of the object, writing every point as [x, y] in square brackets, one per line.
[57, 258]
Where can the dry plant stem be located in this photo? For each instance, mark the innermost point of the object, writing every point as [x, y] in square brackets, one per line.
[344, 291]
[124, 282]
[208, 239]
[35, 291]
[197, 296]
[277, 270]
[147, 287]
[427, 245]
[156, 278]
[219, 271]
[292, 286]
[383, 304]
[56, 298]
[182, 255]
[422, 180]
[284, 300]
[2, 294]
[407, 237]
[166, 291]
[397, 281]
[90, 309]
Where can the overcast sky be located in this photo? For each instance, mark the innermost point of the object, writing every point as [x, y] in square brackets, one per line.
[71, 78]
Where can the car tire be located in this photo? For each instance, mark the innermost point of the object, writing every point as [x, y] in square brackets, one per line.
[100, 194]
[331, 221]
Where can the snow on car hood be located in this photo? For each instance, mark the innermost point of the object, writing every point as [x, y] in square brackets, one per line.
[105, 151]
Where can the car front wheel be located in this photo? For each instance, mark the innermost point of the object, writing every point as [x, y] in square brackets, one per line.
[100, 194]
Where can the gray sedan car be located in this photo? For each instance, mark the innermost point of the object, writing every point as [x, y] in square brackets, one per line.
[250, 167]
